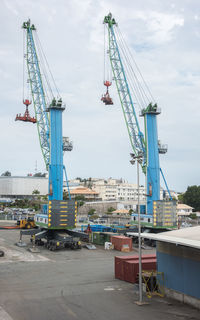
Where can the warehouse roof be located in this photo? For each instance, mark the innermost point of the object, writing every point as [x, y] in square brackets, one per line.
[189, 237]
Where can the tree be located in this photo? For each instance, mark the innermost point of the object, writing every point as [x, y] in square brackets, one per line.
[110, 210]
[36, 192]
[94, 217]
[192, 197]
[39, 174]
[91, 212]
[193, 216]
[65, 195]
[180, 198]
[80, 200]
[6, 174]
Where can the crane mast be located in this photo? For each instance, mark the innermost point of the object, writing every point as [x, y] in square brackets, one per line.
[146, 147]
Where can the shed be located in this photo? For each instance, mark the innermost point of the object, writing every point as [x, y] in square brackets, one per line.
[178, 256]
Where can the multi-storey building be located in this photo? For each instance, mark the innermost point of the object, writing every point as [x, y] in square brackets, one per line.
[113, 189]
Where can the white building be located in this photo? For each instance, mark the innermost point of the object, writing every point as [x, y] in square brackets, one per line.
[113, 189]
[20, 187]
[184, 210]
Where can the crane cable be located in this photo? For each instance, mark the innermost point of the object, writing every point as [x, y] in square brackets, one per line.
[26, 83]
[56, 88]
[46, 69]
[139, 91]
[128, 53]
[131, 56]
[23, 64]
[46, 84]
[104, 48]
[107, 65]
[133, 79]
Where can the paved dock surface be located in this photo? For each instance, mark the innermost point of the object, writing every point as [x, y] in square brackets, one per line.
[65, 285]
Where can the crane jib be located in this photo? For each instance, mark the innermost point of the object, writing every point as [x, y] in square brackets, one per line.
[135, 134]
[38, 94]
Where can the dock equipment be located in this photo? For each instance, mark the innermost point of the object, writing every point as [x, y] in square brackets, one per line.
[131, 87]
[58, 215]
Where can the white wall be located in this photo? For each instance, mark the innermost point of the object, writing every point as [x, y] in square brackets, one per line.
[11, 186]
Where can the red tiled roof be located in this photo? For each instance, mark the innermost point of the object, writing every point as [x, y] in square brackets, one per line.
[85, 191]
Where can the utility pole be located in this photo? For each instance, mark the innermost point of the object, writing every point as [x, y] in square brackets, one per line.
[138, 159]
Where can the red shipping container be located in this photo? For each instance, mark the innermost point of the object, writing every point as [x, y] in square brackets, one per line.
[131, 268]
[120, 241]
[119, 263]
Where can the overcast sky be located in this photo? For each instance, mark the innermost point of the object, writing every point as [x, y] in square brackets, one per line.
[164, 37]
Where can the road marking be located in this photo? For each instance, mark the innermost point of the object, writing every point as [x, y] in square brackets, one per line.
[4, 315]
[109, 289]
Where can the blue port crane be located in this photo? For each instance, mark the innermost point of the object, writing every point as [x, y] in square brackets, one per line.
[48, 115]
[58, 213]
[58, 217]
[147, 147]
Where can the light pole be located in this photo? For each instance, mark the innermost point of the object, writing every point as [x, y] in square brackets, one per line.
[138, 158]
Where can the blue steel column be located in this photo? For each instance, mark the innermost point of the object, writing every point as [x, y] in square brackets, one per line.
[56, 152]
[153, 165]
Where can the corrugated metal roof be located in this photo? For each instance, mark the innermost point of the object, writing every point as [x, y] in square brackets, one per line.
[189, 237]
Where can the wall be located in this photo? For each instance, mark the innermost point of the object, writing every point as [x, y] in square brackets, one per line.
[181, 267]
[100, 207]
[16, 186]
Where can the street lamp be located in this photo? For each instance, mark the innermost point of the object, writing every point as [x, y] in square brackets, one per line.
[138, 158]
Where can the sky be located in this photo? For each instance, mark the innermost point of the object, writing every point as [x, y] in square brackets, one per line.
[164, 38]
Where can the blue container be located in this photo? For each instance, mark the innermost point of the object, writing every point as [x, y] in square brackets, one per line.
[142, 209]
[44, 208]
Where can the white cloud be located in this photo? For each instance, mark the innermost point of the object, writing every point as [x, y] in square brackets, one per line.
[160, 25]
[11, 6]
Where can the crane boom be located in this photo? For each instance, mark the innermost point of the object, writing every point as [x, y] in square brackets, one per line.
[135, 135]
[37, 90]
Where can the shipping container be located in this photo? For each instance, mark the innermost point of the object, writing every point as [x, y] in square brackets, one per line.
[119, 263]
[121, 242]
[100, 238]
[131, 268]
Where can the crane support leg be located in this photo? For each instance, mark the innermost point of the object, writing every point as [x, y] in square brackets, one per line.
[56, 152]
[153, 165]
